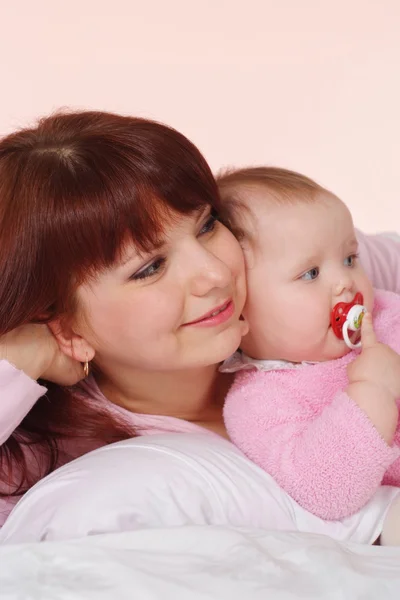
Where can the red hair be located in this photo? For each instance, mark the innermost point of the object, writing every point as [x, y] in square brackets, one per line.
[72, 190]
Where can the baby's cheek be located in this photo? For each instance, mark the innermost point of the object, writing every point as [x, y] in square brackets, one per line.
[255, 311]
[311, 325]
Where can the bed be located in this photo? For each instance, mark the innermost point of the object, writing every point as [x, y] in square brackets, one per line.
[191, 563]
[170, 516]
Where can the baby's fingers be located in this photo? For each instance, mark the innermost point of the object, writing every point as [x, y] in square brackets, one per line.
[368, 337]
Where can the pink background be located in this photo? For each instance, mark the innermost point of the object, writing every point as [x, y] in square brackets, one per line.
[308, 84]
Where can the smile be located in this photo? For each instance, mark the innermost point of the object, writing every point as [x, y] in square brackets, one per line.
[216, 316]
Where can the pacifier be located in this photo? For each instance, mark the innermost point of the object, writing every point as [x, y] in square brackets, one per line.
[348, 316]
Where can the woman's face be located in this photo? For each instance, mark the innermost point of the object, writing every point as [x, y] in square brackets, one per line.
[175, 308]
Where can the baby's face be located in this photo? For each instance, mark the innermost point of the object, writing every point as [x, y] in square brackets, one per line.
[301, 262]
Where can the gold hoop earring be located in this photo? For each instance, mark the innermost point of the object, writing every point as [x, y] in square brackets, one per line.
[86, 368]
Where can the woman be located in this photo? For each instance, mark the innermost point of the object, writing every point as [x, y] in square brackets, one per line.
[111, 245]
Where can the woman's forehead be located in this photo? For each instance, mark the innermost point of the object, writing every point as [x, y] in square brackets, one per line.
[174, 224]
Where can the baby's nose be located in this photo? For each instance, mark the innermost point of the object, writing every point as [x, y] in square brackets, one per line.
[345, 288]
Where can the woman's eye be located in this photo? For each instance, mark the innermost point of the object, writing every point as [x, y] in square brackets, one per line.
[209, 225]
[350, 261]
[153, 269]
[311, 274]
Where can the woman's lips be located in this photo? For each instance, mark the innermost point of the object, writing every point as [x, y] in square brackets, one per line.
[216, 316]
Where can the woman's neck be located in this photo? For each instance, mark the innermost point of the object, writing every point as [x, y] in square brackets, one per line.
[195, 396]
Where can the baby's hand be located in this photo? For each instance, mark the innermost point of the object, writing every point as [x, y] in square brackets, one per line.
[377, 364]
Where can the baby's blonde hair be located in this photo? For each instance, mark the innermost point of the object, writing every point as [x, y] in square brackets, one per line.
[281, 181]
[283, 186]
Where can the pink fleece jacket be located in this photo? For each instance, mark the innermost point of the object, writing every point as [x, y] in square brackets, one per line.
[301, 427]
[18, 393]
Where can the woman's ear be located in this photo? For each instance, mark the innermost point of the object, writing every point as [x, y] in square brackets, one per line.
[70, 343]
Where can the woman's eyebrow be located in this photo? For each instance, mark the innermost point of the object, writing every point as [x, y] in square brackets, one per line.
[197, 212]
[139, 255]
[200, 211]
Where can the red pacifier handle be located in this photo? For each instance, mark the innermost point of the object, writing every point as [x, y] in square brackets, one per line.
[340, 312]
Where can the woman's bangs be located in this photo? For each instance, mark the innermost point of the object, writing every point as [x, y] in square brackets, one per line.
[142, 218]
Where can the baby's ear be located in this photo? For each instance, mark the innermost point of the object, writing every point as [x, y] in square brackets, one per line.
[69, 342]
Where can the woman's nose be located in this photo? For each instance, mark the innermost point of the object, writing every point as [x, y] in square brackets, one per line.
[208, 272]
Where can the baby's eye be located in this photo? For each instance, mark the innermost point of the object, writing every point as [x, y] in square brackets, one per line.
[350, 261]
[311, 274]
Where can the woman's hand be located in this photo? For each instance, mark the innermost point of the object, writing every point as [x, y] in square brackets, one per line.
[34, 350]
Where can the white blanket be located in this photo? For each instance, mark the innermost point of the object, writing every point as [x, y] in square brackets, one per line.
[190, 563]
[172, 480]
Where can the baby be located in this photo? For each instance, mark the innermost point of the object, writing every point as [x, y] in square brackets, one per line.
[321, 418]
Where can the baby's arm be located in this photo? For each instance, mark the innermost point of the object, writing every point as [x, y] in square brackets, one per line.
[331, 462]
[374, 382]
[378, 404]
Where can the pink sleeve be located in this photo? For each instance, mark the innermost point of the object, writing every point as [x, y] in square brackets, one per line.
[18, 393]
[331, 463]
[380, 257]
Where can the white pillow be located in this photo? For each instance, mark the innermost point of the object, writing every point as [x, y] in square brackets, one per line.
[171, 480]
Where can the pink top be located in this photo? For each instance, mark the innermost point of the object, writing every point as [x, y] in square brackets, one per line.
[302, 428]
[380, 256]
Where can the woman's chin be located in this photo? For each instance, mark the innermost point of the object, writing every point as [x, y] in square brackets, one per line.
[227, 345]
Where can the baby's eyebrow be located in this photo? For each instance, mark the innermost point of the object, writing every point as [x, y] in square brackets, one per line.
[352, 242]
[309, 262]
